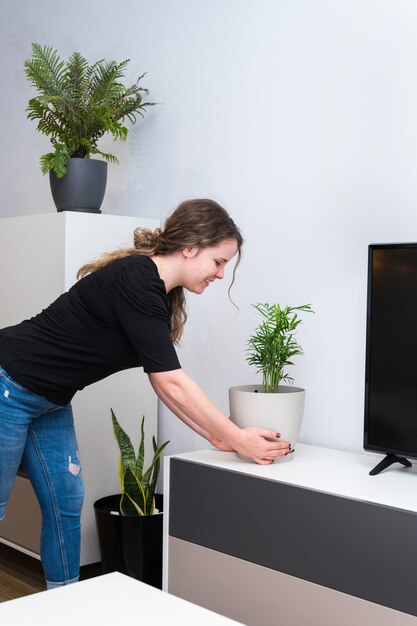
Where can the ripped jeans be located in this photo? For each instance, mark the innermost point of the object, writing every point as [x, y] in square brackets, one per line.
[41, 436]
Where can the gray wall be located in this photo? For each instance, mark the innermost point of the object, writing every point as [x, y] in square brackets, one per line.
[298, 115]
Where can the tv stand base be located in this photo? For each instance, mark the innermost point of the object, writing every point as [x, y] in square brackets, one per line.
[389, 460]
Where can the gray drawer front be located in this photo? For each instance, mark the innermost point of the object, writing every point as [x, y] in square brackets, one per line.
[363, 549]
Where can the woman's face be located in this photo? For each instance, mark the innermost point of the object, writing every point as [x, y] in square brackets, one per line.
[204, 265]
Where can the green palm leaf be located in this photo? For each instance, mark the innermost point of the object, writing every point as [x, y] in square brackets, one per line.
[273, 344]
[78, 103]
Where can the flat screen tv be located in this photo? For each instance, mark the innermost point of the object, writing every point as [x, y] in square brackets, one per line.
[391, 354]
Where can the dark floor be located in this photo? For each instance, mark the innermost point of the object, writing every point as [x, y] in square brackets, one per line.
[21, 575]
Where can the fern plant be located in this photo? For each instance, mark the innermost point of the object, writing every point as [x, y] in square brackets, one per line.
[273, 345]
[138, 485]
[78, 103]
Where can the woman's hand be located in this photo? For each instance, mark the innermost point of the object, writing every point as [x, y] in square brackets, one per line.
[187, 401]
[262, 446]
[267, 454]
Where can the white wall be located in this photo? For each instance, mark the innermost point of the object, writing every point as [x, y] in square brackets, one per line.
[298, 115]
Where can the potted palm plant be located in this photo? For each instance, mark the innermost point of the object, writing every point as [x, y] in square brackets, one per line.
[78, 103]
[272, 405]
[129, 524]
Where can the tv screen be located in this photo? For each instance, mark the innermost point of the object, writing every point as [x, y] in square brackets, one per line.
[391, 353]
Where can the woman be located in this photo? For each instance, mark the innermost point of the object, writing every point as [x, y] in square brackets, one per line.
[127, 310]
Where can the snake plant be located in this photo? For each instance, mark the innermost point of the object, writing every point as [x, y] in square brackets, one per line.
[138, 485]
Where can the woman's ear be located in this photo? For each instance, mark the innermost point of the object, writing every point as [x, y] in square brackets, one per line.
[190, 252]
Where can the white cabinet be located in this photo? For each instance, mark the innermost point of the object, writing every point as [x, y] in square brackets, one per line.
[40, 255]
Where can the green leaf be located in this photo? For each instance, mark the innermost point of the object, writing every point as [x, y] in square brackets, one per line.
[136, 507]
[138, 488]
[77, 103]
[132, 493]
[127, 453]
[151, 475]
[141, 453]
[273, 344]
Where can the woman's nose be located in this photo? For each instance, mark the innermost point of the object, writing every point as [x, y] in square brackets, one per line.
[220, 273]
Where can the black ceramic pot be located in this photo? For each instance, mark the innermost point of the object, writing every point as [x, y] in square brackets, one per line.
[130, 545]
[82, 188]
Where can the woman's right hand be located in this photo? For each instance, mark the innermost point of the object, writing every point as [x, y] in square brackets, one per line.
[261, 446]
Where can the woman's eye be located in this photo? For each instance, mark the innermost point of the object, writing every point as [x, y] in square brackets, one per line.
[218, 263]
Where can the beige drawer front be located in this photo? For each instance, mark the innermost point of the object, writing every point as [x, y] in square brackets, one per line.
[22, 524]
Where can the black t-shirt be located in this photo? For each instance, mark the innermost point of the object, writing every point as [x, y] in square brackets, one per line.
[113, 319]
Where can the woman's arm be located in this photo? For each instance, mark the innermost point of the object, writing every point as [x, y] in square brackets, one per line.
[189, 422]
[186, 400]
[184, 418]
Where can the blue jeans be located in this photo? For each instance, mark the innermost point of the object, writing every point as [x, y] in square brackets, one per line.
[41, 436]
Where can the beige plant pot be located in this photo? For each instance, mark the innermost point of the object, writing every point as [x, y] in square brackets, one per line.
[280, 412]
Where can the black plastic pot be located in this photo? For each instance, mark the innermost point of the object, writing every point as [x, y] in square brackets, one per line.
[82, 188]
[130, 545]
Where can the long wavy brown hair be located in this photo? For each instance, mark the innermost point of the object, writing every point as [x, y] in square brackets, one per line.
[201, 223]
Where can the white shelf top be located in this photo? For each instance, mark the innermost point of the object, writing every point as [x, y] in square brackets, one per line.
[344, 474]
[107, 600]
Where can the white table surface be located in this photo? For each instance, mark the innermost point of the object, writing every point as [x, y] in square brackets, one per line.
[107, 601]
[330, 471]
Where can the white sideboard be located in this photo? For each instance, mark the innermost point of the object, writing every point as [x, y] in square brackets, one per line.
[40, 255]
[315, 540]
